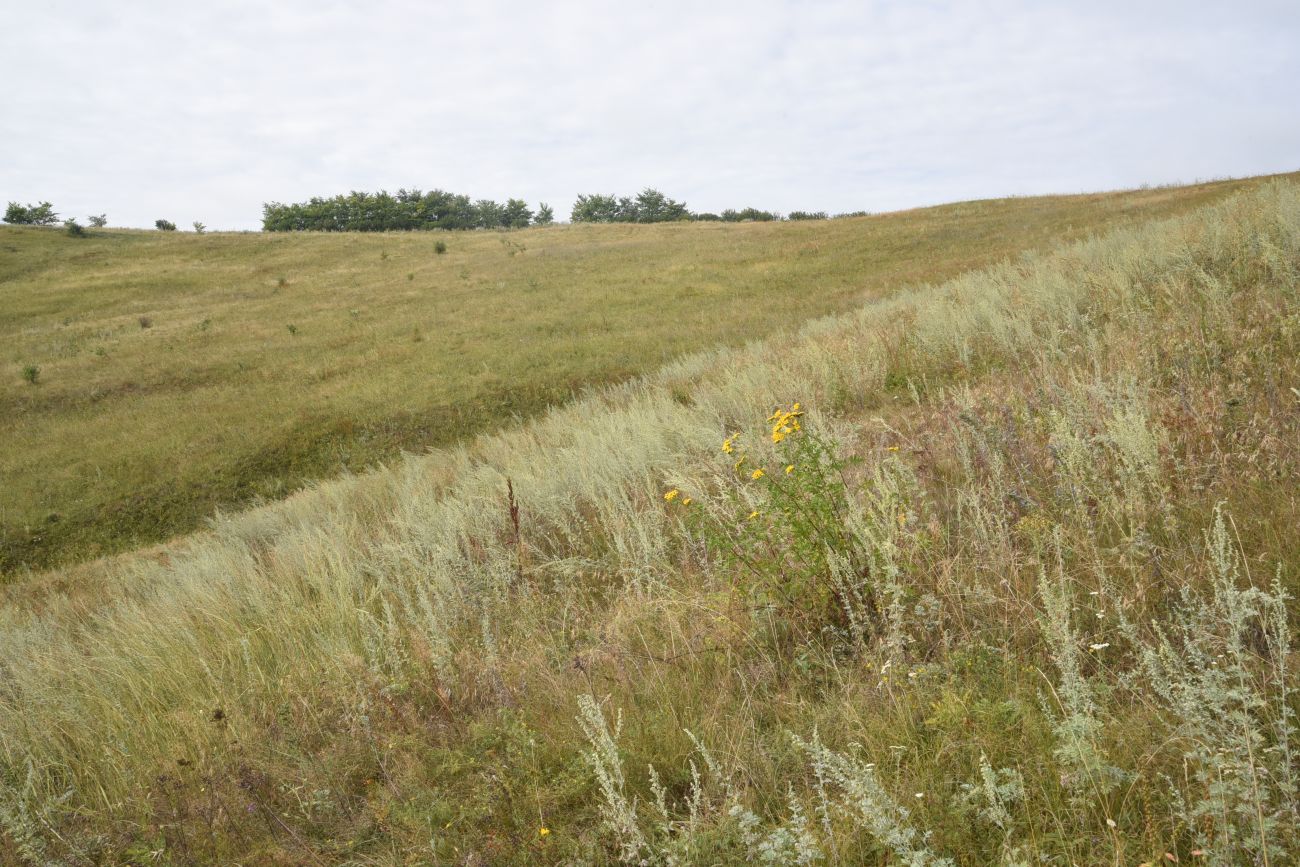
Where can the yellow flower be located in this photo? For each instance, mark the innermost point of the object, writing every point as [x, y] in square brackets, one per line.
[753, 514]
[893, 448]
[542, 832]
[726, 446]
[784, 423]
[739, 463]
[686, 501]
[789, 469]
[671, 495]
[757, 474]
[902, 519]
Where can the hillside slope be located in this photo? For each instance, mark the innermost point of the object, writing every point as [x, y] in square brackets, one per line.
[1013, 584]
[179, 374]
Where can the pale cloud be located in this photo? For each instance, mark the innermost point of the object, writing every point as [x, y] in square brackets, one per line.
[204, 111]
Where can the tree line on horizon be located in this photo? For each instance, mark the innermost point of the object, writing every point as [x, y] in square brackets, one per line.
[405, 210]
[413, 210]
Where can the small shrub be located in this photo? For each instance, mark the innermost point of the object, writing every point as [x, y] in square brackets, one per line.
[74, 229]
[293, 329]
[410, 277]
[440, 247]
[31, 373]
[199, 228]
[807, 215]
[97, 221]
[383, 255]
[164, 225]
[281, 282]
[146, 322]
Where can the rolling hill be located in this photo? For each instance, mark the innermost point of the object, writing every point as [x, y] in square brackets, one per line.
[179, 374]
[998, 569]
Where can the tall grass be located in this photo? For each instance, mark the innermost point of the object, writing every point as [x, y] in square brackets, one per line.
[1036, 610]
[186, 374]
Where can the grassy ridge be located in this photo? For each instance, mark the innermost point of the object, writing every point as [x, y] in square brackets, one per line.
[271, 360]
[1025, 596]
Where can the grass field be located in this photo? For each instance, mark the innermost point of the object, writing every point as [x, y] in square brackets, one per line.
[1015, 584]
[179, 374]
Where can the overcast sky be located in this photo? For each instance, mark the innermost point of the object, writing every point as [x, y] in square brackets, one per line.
[205, 110]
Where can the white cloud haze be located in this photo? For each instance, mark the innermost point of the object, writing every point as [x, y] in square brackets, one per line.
[203, 111]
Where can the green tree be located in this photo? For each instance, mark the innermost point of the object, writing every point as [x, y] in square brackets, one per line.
[516, 214]
[97, 221]
[31, 215]
[164, 225]
[545, 215]
[490, 214]
[653, 206]
[731, 215]
[594, 208]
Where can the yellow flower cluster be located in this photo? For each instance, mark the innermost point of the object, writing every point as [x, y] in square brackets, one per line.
[674, 493]
[784, 422]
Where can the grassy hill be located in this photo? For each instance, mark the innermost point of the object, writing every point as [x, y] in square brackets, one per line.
[180, 374]
[1014, 583]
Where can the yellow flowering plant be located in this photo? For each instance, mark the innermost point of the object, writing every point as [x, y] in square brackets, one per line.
[783, 529]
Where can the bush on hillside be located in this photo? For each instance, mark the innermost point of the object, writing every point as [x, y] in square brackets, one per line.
[748, 215]
[403, 211]
[648, 206]
[516, 214]
[164, 225]
[31, 215]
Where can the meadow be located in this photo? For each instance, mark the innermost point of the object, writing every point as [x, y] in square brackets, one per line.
[151, 379]
[1001, 569]
[1013, 583]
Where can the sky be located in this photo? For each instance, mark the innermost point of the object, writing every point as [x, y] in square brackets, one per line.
[204, 110]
